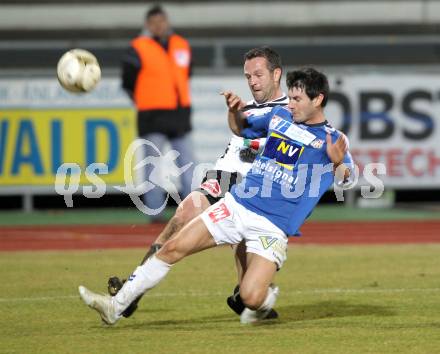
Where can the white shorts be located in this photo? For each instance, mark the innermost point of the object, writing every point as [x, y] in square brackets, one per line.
[229, 222]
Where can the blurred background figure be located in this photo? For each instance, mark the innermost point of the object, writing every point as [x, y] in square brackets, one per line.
[156, 75]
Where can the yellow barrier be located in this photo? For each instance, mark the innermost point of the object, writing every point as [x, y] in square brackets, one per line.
[34, 143]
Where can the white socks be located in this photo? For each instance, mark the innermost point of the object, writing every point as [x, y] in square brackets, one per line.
[144, 278]
[251, 316]
[269, 301]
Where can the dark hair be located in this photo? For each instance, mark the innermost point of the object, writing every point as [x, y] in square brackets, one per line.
[311, 81]
[272, 57]
[154, 10]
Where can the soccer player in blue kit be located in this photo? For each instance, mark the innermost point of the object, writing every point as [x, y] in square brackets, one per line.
[302, 158]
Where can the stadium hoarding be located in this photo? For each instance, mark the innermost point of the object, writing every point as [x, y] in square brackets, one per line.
[35, 143]
[393, 120]
[390, 119]
[43, 126]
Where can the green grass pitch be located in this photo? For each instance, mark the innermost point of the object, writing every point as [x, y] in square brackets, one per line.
[339, 299]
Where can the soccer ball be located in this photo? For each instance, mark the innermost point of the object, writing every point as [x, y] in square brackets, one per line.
[78, 71]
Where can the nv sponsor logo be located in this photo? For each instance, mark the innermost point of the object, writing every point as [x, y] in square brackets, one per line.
[285, 152]
[290, 150]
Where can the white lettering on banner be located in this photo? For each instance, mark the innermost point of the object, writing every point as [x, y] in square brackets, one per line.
[47, 93]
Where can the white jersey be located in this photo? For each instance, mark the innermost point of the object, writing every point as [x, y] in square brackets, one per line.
[230, 161]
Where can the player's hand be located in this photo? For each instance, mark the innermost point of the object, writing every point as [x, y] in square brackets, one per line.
[336, 151]
[234, 102]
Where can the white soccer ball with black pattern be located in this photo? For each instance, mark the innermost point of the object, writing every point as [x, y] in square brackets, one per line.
[78, 71]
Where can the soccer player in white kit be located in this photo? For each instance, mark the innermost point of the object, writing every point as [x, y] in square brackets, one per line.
[262, 69]
[303, 156]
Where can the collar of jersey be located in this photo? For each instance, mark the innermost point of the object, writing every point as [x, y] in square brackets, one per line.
[280, 99]
[316, 124]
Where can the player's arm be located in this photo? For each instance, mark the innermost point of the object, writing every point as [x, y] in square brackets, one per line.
[236, 118]
[340, 157]
[253, 126]
[131, 65]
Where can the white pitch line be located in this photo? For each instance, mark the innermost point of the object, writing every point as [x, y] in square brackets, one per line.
[208, 294]
[41, 298]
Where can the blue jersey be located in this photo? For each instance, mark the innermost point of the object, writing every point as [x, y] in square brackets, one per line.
[290, 175]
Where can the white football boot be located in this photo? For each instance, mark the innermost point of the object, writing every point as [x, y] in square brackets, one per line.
[252, 316]
[101, 303]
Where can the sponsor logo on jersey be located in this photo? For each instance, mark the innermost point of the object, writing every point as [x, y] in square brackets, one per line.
[212, 187]
[275, 122]
[219, 213]
[285, 152]
[317, 143]
[296, 133]
[291, 130]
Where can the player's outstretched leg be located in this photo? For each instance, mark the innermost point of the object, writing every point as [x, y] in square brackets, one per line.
[145, 277]
[234, 301]
[264, 311]
[193, 205]
[101, 303]
[256, 291]
[236, 304]
[115, 284]
[193, 238]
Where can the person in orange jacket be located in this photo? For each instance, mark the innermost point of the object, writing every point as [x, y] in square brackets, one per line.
[156, 74]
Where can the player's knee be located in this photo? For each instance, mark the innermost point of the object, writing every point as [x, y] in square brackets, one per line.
[187, 210]
[253, 298]
[181, 215]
